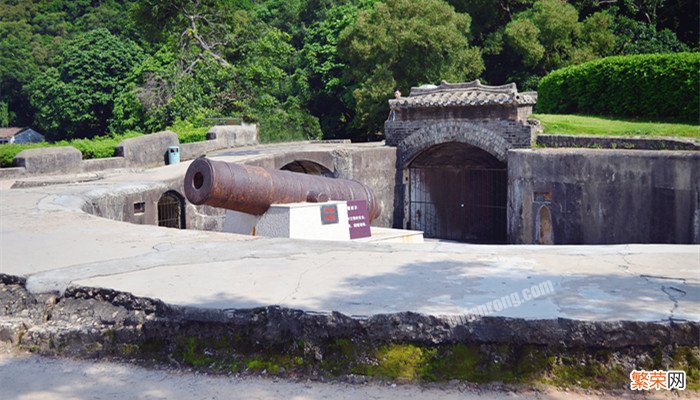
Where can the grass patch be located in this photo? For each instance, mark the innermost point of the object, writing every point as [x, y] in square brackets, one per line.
[592, 125]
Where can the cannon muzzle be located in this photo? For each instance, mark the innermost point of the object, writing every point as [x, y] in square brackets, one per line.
[252, 189]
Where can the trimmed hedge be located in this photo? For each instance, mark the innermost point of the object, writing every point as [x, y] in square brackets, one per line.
[665, 86]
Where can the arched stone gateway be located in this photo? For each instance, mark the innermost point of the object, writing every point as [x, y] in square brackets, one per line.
[452, 148]
[453, 132]
[457, 191]
[171, 210]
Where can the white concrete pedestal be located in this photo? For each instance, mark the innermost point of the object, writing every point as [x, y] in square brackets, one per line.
[294, 220]
[304, 221]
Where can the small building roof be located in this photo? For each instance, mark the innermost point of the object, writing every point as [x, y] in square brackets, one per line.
[6, 133]
[463, 94]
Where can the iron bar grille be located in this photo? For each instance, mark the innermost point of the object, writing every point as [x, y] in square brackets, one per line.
[458, 203]
[169, 211]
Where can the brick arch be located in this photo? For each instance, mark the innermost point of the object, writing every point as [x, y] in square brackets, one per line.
[444, 132]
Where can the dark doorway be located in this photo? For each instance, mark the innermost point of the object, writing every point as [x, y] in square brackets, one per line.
[458, 192]
[171, 213]
[308, 167]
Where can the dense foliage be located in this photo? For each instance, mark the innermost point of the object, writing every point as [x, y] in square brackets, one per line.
[649, 86]
[301, 68]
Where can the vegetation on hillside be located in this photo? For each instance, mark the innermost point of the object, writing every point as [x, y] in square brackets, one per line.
[301, 68]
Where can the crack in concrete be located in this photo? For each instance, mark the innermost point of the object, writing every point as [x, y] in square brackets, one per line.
[301, 276]
[674, 294]
[296, 289]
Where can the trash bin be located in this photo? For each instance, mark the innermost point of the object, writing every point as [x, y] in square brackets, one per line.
[173, 155]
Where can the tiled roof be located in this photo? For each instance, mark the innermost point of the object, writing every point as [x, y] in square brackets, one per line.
[463, 94]
[6, 133]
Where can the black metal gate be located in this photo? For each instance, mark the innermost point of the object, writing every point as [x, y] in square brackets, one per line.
[467, 204]
[169, 211]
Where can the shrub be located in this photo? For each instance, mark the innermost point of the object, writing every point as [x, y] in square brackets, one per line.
[9, 151]
[640, 86]
[187, 132]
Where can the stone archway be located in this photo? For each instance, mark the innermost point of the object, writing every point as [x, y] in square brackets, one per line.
[171, 210]
[453, 131]
[456, 191]
[486, 119]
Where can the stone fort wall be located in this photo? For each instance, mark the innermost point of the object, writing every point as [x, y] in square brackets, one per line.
[592, 196]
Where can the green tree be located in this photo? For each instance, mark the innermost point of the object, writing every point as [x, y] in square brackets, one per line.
[4, 114]
[549, 35]
[331, 92]
[400, 43]
[635, 37]
[18, 60]
[76, 98]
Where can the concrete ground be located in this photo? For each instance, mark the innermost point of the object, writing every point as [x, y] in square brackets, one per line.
[46, 237]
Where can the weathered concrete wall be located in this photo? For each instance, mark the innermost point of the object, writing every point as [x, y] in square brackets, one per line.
[190, 151]
[615, 142]
[148, 150]
[49, 160]
[143, 151]
[234, 135]
[376, 168]
[101, 164]
[117, 203]
[586, 196]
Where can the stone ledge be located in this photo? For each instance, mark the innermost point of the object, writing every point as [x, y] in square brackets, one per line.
[92, 322]
[616, 142]
[147, 150]
[49, 160]
[190, 151]
[9, 173]
[234, 135]
[274, 325]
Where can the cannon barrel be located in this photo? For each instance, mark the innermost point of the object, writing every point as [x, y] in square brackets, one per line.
[252, 189]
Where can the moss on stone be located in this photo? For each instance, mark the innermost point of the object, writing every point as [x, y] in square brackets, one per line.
[152, 346]
[399, 361]
[191, 353]
[527, 364]
[588, 374]
[688, 359]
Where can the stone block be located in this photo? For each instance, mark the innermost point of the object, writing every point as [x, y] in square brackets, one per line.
[148, 150]
[234, 135]
[190, 151]
[49, 160]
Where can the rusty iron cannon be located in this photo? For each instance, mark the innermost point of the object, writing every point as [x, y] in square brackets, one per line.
[252, 189]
